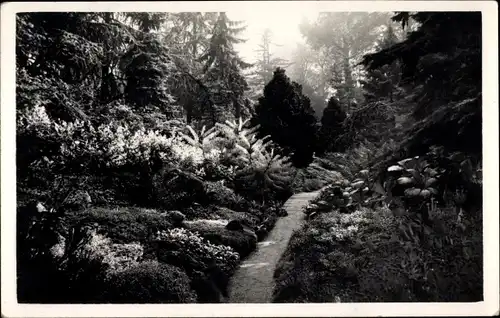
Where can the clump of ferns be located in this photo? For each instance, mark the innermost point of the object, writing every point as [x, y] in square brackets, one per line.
[235, 130]
[233, 136]
[264, 170]
[203, 140]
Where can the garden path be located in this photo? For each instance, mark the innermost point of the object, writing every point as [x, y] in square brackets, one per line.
[253, 281]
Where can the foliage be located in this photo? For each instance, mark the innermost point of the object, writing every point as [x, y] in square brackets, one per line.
[264, 172]
[342, 38]
[314, 177]
[243, 242]
[223, 66]
[220, 194]
[265, 65]
[366, 257]
[150, 282]
[449, 100]
[383, 82]
[332, 126]
[194, 247]
[123, 225]
[175, 188]
[285, 114]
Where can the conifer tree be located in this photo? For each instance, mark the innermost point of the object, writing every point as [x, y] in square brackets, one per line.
[441, 61]
[222, 66]
[332, 126]
[266, 64]
[285, 114]
[382, 82]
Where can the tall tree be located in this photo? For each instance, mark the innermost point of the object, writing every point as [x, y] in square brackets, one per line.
[382, 82]
[187, 35]
[312, 68]
[285, 114]
[441, 59]
[332, 127]
[344, 37]
[266, 63]
[223, 67]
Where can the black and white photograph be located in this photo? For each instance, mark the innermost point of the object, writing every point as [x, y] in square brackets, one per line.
[278, 152]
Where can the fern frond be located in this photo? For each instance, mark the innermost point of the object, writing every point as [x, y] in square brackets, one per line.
[210, 137]
[246, 142]
[242, 148]
[210, 131]
[189, 140]
[231, 124]
[195, 135]
[243, 123]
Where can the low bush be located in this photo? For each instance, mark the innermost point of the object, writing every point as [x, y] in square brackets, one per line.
[219, 194]
[149, 282]
[177, 189]
[122, 224]
[373, 255]
[189, 250]
[243, 242]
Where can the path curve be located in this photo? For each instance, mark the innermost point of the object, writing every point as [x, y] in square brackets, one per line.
[253, 281]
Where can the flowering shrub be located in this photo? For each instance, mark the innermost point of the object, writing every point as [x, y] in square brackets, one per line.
[202, 250]
[118, 257]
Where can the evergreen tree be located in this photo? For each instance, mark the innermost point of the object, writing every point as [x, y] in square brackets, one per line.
[441, 60]
[223, 67]
[382, 82]
[344, 37]
[332, 126]
[147, 67]
[265, 64]
[187, 35]
[317, 101]
[285, 114]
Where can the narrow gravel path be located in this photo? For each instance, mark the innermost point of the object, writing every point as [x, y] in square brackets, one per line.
[253, 282]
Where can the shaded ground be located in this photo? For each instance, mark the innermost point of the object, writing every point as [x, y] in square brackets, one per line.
[253, 282]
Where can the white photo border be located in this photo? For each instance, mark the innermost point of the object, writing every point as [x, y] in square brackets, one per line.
[490, 305]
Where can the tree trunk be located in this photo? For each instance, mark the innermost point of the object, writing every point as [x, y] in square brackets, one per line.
[237, 108]
[189, 112]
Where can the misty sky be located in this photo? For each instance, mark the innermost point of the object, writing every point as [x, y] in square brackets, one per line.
[284, 25]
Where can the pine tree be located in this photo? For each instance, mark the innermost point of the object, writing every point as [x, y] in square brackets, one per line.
[223, 67]
[332, 126]
[265, 64]
[285, 114]
[441, 60]
[147, 68]
[382, 82]
[318, 103]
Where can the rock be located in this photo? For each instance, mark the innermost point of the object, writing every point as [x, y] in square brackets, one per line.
[358, 184]
[282, 212]
[261, 232]
[234, 225]
[40, 208]
[337, 191]
[78, 200]
[176, 217]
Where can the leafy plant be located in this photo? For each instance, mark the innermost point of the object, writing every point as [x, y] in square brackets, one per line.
[195, 247]
[265, 172]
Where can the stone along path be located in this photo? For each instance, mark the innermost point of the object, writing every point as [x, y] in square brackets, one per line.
[253, 282]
